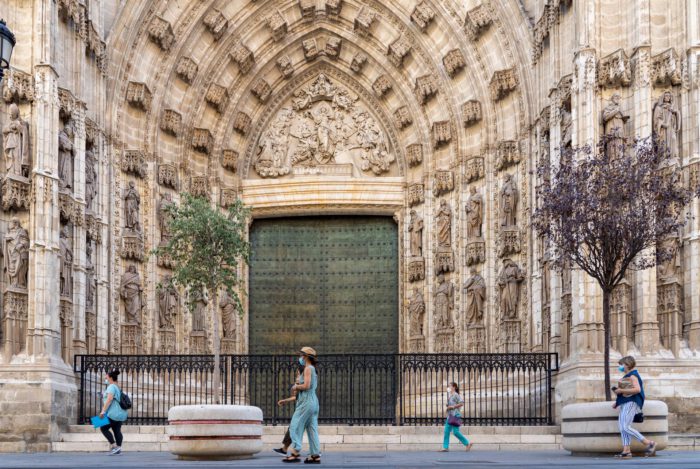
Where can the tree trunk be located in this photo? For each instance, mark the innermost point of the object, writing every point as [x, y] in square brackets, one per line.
[216, 348]
[606, 346]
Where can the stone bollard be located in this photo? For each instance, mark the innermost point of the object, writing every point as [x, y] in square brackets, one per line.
[592, 427]
[215, 431]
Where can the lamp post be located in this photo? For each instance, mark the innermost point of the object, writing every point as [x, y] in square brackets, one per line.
[7, 43]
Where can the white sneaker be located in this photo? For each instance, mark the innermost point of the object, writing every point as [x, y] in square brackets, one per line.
[116, 450]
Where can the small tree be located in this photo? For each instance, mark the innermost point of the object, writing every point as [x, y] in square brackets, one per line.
[206, 247]
[606, 213]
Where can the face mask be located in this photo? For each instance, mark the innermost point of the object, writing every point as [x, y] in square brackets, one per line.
[106, 381]
[301, 361]
[449, 389]
[621, 368]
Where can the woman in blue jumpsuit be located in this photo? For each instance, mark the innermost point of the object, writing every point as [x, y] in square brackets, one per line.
[305, 416]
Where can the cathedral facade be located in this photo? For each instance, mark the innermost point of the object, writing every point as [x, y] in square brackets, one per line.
[433, 114]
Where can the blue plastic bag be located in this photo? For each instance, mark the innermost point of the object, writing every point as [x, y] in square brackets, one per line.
[98, 422]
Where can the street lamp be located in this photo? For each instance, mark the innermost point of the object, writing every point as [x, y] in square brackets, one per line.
[7, 43]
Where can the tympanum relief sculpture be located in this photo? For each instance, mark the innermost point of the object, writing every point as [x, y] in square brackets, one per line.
[324, 129]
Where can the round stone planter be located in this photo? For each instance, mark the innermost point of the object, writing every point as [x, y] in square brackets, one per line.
[592, 427]
[215, 431]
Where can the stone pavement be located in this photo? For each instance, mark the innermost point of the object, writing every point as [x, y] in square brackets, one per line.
[384, 460]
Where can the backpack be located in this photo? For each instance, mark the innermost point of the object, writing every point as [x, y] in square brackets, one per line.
[124, 400]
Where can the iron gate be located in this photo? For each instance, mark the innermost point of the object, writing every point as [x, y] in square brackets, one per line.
[388, 389]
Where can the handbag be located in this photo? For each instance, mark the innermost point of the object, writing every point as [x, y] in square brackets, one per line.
[454, 420]
[638, 417]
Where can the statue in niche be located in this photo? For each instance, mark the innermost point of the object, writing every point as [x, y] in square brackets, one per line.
[416, 313]
[546, 264]
[132, 203]
[566, 128]
[199, 301]
[475, 213]
[16, 254]
[90, 178]
[66, 263]
[16, 144]
[444, 224]
[444, 302]
[415, 230]
[168, 300]
[66, 153]
[229, 315]
[667, 123]
[90, 280]
[670, 267]
[614, 126]
[131, 292]
[509, 202]
[509, 286]
[475, 289]
[164, 217]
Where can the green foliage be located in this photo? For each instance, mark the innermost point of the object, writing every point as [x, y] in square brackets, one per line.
[207, 246]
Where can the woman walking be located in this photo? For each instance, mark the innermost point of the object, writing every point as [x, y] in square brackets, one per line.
[454, 421]
[305, 416]
[115, 414]
[630, 400]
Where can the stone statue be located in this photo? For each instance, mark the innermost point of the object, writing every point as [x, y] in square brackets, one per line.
[168, 300]
[509, 286]
[131, 292]
[670, 267]
[16, 254]
[132, 203]
[66, 152]
[546, 263]
[475, 289]
[475, 214]
[509, 202]
[90, 178]
[199, 301]
[667, 123]
[444, 302]
[89, 278]
[229, 315]
[16, 144]
[444, 224]
[66, 263]
[416, 313]
[164, 217]
[415, 229]
[566, 128]
[614, 126]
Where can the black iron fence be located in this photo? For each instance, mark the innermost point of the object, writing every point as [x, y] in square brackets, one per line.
[394, 389]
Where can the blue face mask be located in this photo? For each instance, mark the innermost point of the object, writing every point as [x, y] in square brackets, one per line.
[301, 361]
[106, 381]
[621, 368]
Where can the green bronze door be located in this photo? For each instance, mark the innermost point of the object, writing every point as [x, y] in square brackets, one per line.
[327, 282]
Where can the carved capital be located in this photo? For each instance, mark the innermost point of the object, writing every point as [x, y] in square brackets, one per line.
[441, 133]
[614, 70]
[381, 86]
[16, 193]
[228, 197]
[333, 45]
[310, 49]
[261, 89]
[358, 62]
[186, 69]
[138, 95]
[666, 69]
[277, 25]
[243, 57]
[426, 88]
[471, 112]
[217, 96]
[474, 168]
[216, 23]
[415, 194]
[167, 175]
[333, 7]
[422, 15]
[414, 154]
[285, 67]
[17, 86]
[161, 33]
[402, 117]
[477, 22]
[202, 140]
[503, 82]
[416, 269]
[171, 122]
[229, 160]
[399, 49]
[453, 62]
[443, 182]
[199, 187]
[307, 9]
[507, 154]
[134, 162]
[241, 123]
[364, 20]
[132, 246]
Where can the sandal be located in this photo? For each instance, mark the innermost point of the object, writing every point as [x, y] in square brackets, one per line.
[624, 455]
[313, 459]
[468, 447]
[292, 458]
[651, 450]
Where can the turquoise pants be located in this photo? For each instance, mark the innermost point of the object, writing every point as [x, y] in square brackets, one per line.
[305, 418]
[452, 429]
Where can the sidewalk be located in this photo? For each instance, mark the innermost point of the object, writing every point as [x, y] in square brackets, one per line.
[403, 460]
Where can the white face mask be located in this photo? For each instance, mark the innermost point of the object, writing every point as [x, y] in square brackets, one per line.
[449, 389]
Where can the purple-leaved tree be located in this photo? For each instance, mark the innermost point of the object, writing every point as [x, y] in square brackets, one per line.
[608, 211]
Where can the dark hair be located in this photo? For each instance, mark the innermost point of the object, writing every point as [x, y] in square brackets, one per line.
[454, 385]
[311, 359]
[300, 369]
[114, 374]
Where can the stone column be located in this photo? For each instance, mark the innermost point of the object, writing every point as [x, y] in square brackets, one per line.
[79, 256]
[691, 148]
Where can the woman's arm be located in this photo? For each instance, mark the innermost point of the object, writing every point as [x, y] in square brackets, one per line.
[107, 403]
[635, 389]
[307, 380]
